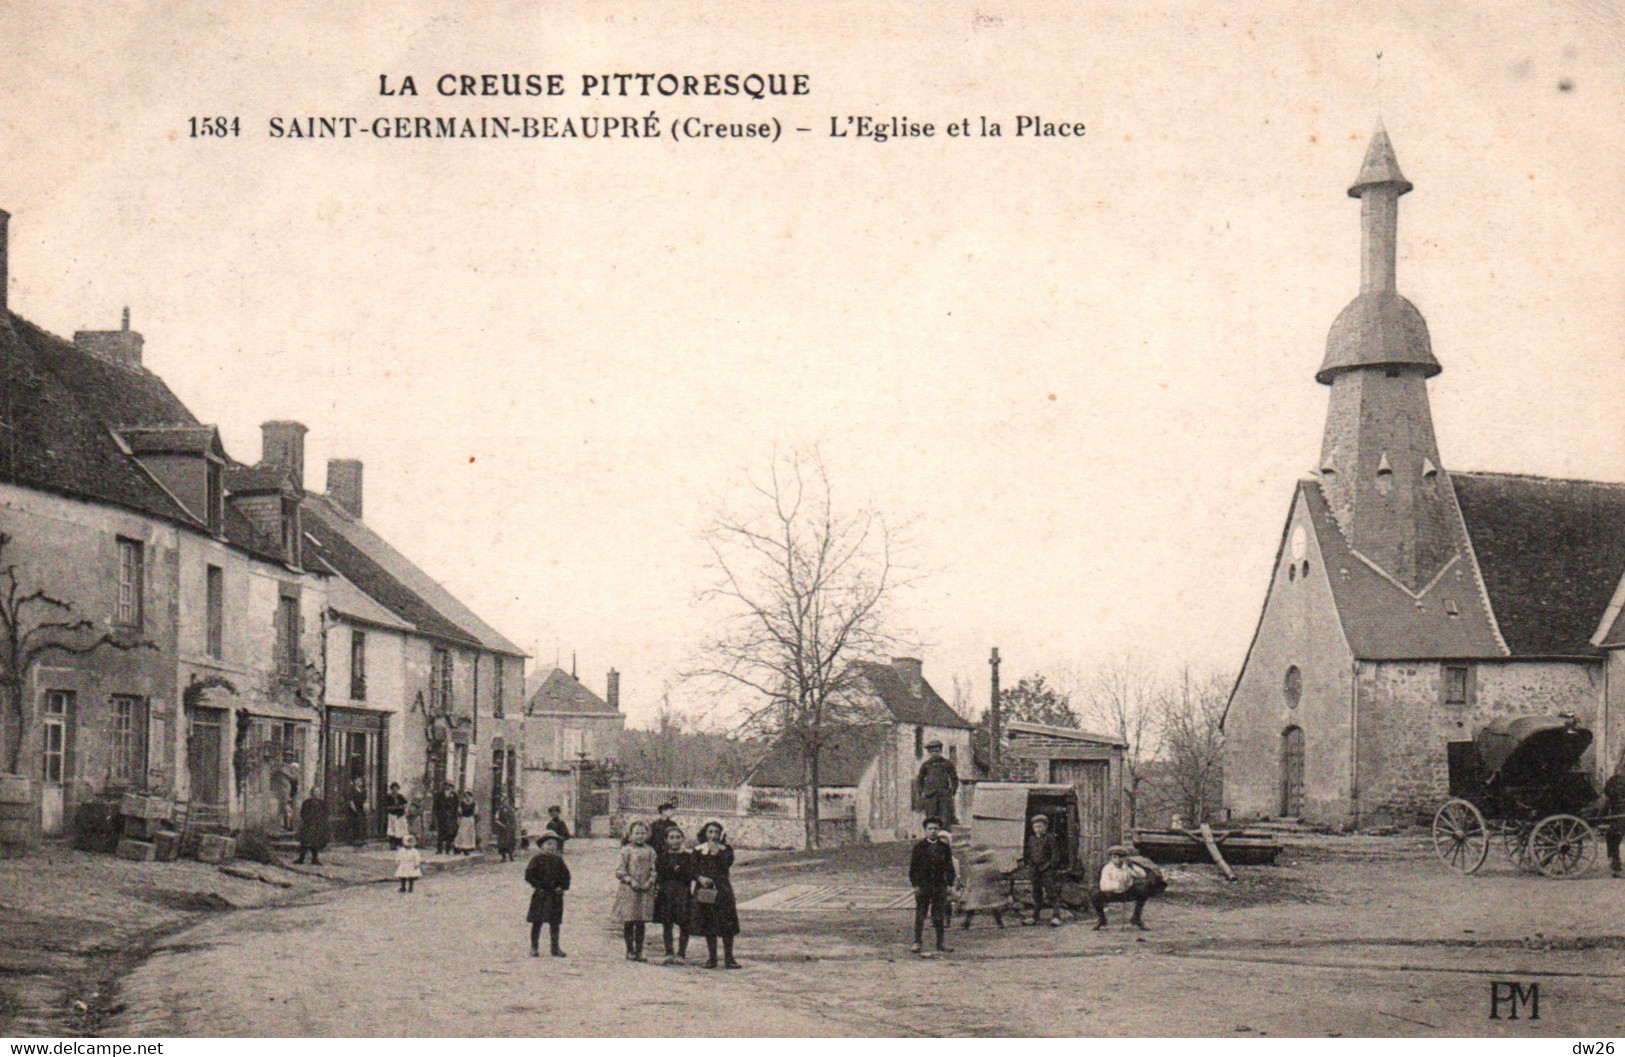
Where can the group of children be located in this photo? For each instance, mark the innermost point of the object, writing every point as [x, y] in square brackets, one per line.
[932, 872]
[686, 890]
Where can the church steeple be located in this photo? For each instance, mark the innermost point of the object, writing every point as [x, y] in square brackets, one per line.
[1379, 465]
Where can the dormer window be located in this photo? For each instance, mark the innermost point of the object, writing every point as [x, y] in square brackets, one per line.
[292, 537]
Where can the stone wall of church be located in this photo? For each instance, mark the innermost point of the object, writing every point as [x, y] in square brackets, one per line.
[1299, 630]
[1406, 724]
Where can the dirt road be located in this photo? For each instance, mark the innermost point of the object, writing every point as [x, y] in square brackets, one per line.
[1365, 936]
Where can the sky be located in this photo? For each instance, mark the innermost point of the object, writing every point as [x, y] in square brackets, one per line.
[1079, 370]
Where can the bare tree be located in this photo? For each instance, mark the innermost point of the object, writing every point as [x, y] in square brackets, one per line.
[804, 588]
[28, 633]
[1193, 743]
[1123, 697]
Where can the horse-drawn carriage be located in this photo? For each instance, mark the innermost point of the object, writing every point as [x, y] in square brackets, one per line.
[1521, 785]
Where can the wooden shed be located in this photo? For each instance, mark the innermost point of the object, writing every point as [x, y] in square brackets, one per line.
[1072, 776]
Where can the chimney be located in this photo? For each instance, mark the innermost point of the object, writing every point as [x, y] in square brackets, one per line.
[282, 447]
[120, 347]
[612, 690]
[908, 669]
[344, 484]
[5, 250]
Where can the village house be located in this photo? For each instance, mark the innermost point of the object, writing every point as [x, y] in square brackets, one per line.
[420, 690]
[1408, 604]
[115, 501]
[867, 770]
[261, 641]
[568, 729]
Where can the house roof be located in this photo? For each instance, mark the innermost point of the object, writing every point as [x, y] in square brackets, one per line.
[1551, 552]
[1042, 730]
[559, 692]
[348, 600]
[171, 440]
[362, 569]
[412, 593]
[841, 761]
[927, 709]
[59, 407]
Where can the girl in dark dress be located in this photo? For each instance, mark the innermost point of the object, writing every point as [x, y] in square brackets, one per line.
[549, 879]
[715, 913]
[674, 903]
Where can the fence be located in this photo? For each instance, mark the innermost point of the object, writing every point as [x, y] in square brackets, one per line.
[646, 798]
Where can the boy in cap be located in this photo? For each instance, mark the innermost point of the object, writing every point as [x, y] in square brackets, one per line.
[931, 872]
[1123, 880]
[1042, 857]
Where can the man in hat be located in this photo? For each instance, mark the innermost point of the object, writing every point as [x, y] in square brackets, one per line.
[1126, 878]
[1042, 857]
[931, 874]
[936, 785]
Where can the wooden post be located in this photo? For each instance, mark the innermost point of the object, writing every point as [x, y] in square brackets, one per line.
[996, 715]
[1214, 853]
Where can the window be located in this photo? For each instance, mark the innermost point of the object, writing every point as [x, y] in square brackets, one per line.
[1456, 684]
[130, 565]
[1292, 687]
[440, 679]
[496, 686]
[358, 665]
[54, 736]
[290, 531]
[287, 636]
[128, 757]
[919, 743]
[216, 500]
[215, 603]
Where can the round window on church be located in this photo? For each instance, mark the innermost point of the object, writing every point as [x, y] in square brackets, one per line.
[1292, 687]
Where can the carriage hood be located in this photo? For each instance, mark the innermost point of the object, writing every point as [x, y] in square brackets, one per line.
[1515, 749]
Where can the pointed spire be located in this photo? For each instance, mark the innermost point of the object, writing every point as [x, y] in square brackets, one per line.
[1380, 166]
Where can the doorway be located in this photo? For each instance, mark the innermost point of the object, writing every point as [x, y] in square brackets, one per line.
[357, 765]
[1292, 772]
[56, 737]
[1088, 778]
[206, 734]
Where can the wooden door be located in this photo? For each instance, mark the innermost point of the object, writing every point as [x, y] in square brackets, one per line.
[205, 736]
[1089, 779]
[1292, 772]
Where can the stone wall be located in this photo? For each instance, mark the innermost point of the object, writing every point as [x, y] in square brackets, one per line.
[1299, 628]
[1406, 726]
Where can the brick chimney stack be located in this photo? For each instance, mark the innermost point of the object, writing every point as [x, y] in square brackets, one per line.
[344, 485]
[612, 690]
[121, 347]
[910, 671]
[282, 447]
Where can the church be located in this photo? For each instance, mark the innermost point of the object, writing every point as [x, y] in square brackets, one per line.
[1409, 604]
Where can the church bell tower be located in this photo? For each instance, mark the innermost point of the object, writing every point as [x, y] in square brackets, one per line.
[1380, 470]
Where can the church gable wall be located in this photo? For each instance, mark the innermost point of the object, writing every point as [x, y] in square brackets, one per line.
[1299, 629]
[1406, 724]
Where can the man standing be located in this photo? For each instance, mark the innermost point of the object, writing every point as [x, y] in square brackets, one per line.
[936, 785]
[445, 818]
[1614, 791]
[1042, 857]
[931, 872]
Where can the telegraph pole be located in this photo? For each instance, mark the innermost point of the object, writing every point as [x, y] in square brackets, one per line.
[997, 724]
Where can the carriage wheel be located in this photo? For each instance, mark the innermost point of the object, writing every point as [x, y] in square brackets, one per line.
[1563, 846]
[1515, 839]
[1460, 837]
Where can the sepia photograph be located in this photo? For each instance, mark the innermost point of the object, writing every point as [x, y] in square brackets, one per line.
[720, 520]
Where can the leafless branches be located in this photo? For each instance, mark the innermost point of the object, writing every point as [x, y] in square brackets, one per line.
[802, 587]
[25, 638]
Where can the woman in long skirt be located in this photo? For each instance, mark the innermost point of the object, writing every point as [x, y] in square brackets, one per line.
[635, 899]
[715, 913]
[468, 818]
[674, 900]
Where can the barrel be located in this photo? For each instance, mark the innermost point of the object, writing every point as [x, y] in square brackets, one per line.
[18, 813]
